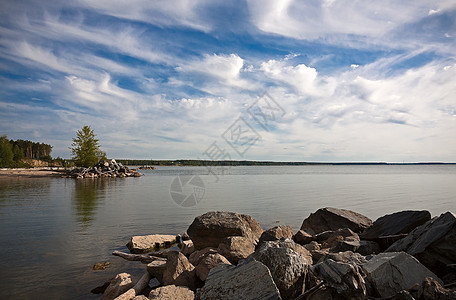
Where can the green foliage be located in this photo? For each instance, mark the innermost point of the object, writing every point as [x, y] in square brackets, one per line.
[6, 153]
[86, 149]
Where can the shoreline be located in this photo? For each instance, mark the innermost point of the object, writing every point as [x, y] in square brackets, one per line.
[31, 172]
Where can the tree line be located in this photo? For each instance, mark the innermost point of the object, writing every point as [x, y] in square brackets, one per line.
[12, 153]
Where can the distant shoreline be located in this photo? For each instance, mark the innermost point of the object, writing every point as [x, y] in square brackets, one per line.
[30, 172]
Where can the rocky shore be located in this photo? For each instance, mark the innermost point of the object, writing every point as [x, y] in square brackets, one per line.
[103, 169]
[337, 254]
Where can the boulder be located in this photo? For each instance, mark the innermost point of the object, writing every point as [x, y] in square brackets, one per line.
[207, 263]
[209, 229]
[187, 247]
[276, 233]
[172, 292]
[326, 293]
[343, 239]
[250, 279]
[386, 241]
[345, 278]
[288, 268]
[148, 243]
[119, 285]
[345, 257]
[396, 223]
[391, 272]
[334, 218]
[156, 268]
[430, 289]
[301, 237]
[197, 256]
[433, 243]
[312, 246]
[235, 248]
[179, 271]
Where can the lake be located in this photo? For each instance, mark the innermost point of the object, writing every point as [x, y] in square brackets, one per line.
[53, 230]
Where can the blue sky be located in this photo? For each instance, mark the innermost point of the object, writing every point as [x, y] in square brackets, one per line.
[356, 80]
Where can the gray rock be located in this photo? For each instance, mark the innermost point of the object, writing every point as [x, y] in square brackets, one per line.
[391, 272]
[119, 285]
[235, 248]
[368, 248]
[156, 268]
[250, 279]
[276, 233]
[433, 243]
[288, 268]
[172, 292]
[209, 262]
[345, 257]
[396, 223]
[209, 229]
[334, 218]
[148, 243]
[179, 271]
[345, 278]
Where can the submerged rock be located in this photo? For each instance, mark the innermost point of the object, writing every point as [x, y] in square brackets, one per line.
[330, 218]
[391, 272]
[250, 279]
[209, 229]
[148, 243]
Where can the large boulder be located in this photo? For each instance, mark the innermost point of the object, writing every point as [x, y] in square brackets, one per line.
[179, 271]
[345, 278]
[235, 248]
[396, 223]
[250, 279]
[276, 233]
[330, 218]
[209, 229]
[119, 285]
[391, 272]
[288, 268]
[148, 243]
[433, 243]
[209, 262]
[171, 292]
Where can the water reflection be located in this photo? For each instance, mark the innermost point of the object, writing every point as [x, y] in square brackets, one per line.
[86, 197]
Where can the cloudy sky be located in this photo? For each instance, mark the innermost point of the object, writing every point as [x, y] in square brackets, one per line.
[344, 80]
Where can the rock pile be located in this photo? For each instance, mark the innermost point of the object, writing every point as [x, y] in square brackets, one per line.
[228, 256]
[103, 169]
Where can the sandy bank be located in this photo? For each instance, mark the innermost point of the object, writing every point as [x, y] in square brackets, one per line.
[29, 173]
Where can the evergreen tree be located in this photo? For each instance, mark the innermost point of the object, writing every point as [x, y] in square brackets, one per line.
[85, 148]
[6, 152]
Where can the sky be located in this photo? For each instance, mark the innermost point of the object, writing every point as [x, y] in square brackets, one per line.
[282, 80]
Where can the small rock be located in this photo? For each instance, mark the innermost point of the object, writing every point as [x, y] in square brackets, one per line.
[235, 248]
[140, 297]
[187, 247]
[101, 266]
[197, 256]
[156, 268]
[343, 277]
[345, 257]
[312, 246]
[207, 263]
[392, 272]
[301, 237]
[153, 283]
[119, 285]
[172, 292]
[148, 243]
[179, 271]
[209, 229]
[276, 233]
[368, 248]
[250, 279]
[333, 218]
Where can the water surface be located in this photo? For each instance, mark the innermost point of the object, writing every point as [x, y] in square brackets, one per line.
[52, 230]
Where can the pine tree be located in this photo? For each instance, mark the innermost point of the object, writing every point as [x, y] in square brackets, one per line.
[85, 148]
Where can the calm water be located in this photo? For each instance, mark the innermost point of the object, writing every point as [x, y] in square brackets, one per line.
[53, 230]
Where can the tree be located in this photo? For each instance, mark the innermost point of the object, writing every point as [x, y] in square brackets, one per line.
[86, 149]
[6, 152]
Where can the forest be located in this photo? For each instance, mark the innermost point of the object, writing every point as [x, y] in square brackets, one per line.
[14, 154]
